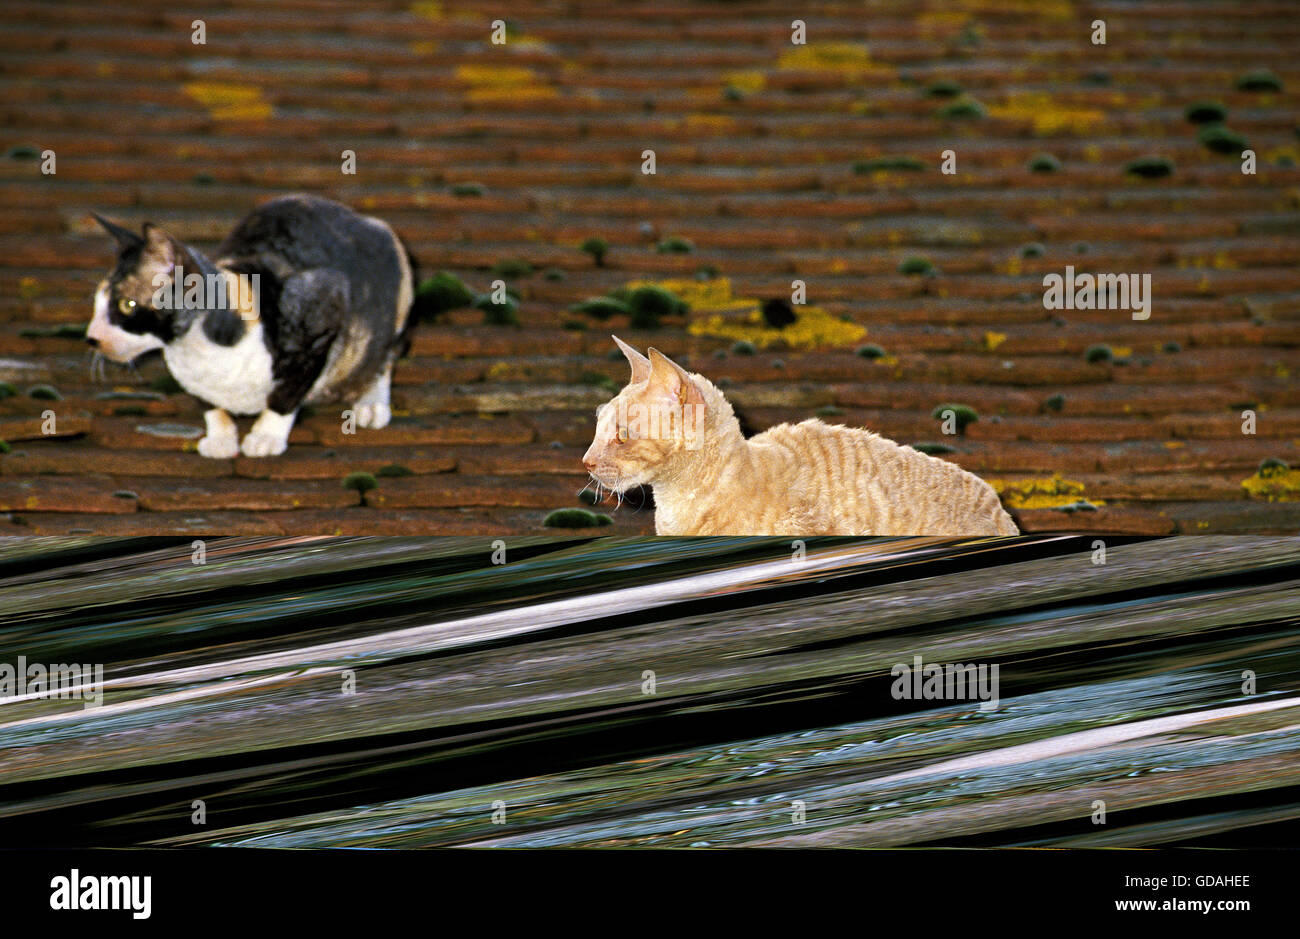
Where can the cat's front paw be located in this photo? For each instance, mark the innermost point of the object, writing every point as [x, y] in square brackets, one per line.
[220, 447]
[257, 443]
[374, 415]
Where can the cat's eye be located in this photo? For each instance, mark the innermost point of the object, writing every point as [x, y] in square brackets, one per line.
[622, 435]
[126, 307]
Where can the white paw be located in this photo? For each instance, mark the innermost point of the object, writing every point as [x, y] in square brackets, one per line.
[219, 448]
[374, 415]
[257, 443]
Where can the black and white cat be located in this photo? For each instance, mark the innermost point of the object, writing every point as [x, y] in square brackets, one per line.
[308, 302]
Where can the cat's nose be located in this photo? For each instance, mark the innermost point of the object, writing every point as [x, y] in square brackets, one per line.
[589, 463]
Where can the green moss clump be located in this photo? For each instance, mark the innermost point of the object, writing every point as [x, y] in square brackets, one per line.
[871, 352]
[1272, 466]
[4, 447]
[914, 266]
[597, 248]
[1171, 347]
[1206, 112]
[504, 313]
[1044, 163]
[906, 163]
[44, 393]
[829, 410]
[675, 244]
[470, 190]
[1259, 80]
[512, 268]
[393, 470]
[963, 415]
[1150, 167]
[360, 483]
[943, 88]
[648, 303]
[601, 308]
[23, 151]
[1032, 250]
[440, 293]
[965, 109]
[1098, 353]
[576, 518]
[1078, 506]
[1219, 139]
[1081, 505]
[7, 390]
[1055, 403]
[933, 449]
[554, 274]
[741, 347]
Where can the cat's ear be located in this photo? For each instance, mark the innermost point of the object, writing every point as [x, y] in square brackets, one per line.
[124, 237]
[160, 251]
[668, 375]
[640, 364]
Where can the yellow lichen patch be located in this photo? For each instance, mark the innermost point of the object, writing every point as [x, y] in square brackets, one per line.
[814, 328]
[840, 58]
[941, 21]
[1039, 493]
[228, 101]
[748, 82]
[720, 123]
[1280, 153]
[423, 47]
[492, 83]
[1275, 485]
[1046, 116]
[702, 296]
[1046, 9]
[428, 10]
[716, 311]
[992, 340]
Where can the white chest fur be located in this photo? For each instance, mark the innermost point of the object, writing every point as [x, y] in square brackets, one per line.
[237, 378]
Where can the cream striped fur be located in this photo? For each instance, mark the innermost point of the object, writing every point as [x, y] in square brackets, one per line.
[800, 479]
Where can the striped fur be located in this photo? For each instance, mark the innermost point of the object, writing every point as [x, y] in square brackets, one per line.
[800, 479]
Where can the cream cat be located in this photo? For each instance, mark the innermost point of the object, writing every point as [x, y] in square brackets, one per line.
[676, 432]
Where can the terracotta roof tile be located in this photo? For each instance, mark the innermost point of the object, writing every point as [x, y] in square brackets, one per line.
[491, 421]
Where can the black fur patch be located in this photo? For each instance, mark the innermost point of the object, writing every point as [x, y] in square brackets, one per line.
[321, 267]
